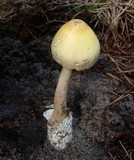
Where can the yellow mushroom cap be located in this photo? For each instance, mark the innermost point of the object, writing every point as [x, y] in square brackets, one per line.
[75, 45]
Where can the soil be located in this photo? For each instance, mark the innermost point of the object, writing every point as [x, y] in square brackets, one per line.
[28, 77]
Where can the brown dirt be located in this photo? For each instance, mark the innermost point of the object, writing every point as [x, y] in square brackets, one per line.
[28, 80]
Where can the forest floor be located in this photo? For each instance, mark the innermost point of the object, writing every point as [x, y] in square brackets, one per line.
[103, 126]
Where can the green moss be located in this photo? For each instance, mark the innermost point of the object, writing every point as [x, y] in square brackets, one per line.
[103, 21]
[92, 8]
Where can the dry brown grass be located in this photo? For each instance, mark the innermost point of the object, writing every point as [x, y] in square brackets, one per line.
[119, 18]
[113, 20]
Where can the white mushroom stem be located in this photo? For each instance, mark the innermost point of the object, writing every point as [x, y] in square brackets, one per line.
[60, 98]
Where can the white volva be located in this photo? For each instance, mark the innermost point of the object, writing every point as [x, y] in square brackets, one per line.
[61, 133]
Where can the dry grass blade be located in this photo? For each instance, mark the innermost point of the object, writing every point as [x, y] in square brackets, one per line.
[129, 80]
[128, 155]
[113, 60]
[127, 71]
[121, 97]
[121, 73]
[124, 95]
[114, 77]
[111, 156]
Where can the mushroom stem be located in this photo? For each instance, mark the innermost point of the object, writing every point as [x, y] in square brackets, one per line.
[60, 98]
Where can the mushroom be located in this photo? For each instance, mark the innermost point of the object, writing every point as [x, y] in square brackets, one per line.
[75, 47]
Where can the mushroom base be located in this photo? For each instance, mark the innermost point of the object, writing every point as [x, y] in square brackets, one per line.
[59, 134]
